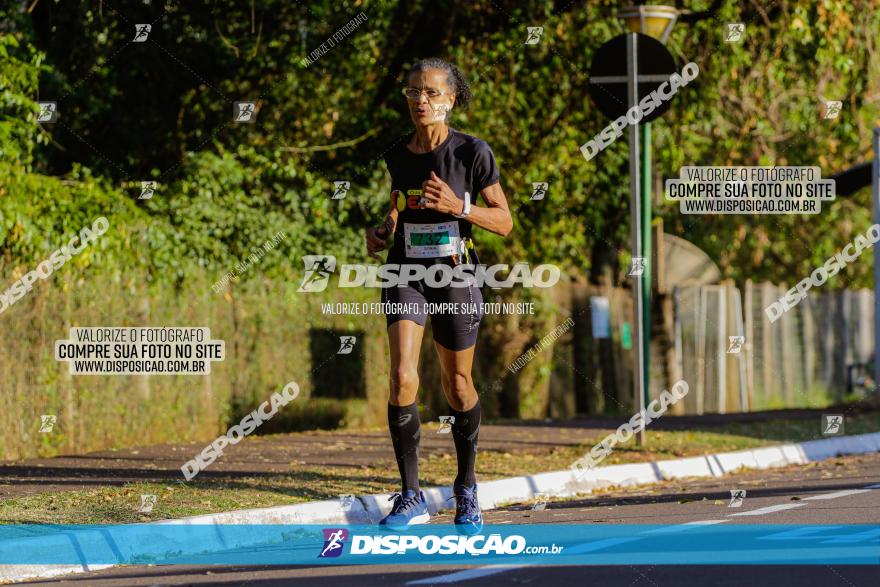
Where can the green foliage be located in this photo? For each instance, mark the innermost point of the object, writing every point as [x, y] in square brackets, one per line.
[33, 227]
[20, 67]
[161, 110]
[757, 103]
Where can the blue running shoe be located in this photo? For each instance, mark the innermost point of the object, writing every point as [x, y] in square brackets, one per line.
[468, 518]
[408, 509]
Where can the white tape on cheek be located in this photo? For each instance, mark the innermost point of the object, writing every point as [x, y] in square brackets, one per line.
[440, 112]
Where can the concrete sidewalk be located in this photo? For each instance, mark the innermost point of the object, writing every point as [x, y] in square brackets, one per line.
[276, 454]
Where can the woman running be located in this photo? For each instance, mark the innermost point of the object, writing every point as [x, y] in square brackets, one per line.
[436, 176]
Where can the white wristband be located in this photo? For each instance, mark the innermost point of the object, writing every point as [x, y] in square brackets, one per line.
[467, 206]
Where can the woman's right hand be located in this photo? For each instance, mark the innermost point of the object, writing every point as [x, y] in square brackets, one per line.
[376, 241]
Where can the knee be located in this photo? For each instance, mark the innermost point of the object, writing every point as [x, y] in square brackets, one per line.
[444, 382]
[404, 384]
[461, 391]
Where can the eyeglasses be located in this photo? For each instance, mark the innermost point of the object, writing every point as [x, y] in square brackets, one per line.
[415, 93]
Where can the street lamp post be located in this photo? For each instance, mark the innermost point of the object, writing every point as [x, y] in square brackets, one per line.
[656, 22]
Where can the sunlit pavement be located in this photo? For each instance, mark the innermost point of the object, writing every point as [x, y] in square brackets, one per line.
[844, 490]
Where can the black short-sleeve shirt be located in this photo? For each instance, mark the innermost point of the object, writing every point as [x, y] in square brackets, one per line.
[463, 161]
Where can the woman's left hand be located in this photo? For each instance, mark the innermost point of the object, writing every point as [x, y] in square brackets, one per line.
[439, 196]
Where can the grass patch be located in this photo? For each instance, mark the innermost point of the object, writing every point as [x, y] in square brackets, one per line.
[119, 504]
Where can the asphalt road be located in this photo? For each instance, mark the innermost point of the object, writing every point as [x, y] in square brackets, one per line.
[844, 490]
[276, 454]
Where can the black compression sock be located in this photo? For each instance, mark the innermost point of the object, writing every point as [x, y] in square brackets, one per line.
[465, 432]
[403, 422]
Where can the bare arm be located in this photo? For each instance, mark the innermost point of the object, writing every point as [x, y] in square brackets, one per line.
[494, 217]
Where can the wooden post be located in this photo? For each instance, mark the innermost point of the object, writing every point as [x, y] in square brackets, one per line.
[700, 329]
[678, 364]
[748, 349]
[74, 436]
[841, 344]
[786, 357]
[210, 401]
[721, 350]
[766, 346]
[143, 381]
[582, 348]
[827, 307]
[808, 331]
[733, 319]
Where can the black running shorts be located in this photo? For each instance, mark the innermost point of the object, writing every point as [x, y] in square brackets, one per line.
[454, 331]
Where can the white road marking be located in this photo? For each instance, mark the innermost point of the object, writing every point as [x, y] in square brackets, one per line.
[592, 546]
[837, 494]
[685, 526]
[466, 574]
[771, 509]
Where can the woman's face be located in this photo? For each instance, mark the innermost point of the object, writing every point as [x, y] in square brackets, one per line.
[434, 102]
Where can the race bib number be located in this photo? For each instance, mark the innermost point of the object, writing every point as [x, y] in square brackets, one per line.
[429, 241]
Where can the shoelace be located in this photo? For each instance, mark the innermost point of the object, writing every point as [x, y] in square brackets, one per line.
[466, 502]
[401, 504]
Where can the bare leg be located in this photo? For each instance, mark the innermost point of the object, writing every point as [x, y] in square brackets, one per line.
[405, 338]
[455, 375]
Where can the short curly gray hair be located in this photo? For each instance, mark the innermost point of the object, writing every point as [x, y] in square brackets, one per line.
[454, 78]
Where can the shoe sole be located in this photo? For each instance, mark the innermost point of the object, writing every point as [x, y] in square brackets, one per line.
[469, 529]
[415, 521]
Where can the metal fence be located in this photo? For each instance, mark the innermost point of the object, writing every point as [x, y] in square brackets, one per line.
[802, 359]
